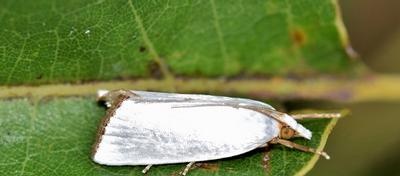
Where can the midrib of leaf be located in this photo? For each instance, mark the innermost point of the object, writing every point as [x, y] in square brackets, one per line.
[327, 88]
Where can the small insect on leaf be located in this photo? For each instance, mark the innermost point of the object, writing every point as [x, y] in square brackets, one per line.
[152, 128]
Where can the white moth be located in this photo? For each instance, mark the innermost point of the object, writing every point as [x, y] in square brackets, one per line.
[151, 128]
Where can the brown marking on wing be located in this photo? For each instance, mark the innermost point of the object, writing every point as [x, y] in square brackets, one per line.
[106, 119]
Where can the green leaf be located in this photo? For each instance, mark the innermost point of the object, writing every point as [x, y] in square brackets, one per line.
[69, 41]
[55, 137]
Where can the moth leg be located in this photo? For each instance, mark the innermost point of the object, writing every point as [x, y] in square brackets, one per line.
[186, 170]
[291, 144]
[316, 115]
[147, 168]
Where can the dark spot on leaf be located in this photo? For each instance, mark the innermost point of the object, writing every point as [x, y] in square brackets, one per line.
[8, 133]
[208, 166]
[154, 70]
[142, 49]
[298, 37]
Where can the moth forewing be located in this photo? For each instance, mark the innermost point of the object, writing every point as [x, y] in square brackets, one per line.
[155, 133]
[146, 128]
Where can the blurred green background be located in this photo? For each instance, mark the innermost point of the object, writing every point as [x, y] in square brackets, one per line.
[367, 142]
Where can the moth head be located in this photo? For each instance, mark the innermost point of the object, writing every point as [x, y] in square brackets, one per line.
[287, 132]
[290, 128]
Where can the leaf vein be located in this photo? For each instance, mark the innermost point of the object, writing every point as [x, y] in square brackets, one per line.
[28, 139]
[55, 55]
[19, 58]
[149, 43]
[219, 32]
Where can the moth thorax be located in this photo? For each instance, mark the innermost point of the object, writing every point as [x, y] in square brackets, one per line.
[287, 132]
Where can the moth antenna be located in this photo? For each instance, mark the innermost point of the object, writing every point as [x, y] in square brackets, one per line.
[316, 115]
[291, 144]
[147, 168]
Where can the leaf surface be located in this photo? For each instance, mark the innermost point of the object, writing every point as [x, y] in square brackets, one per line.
[71, 41]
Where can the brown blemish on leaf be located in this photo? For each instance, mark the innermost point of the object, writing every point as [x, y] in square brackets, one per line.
[154, 70]
[298, 37]
[175, 173]
[213, 167]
